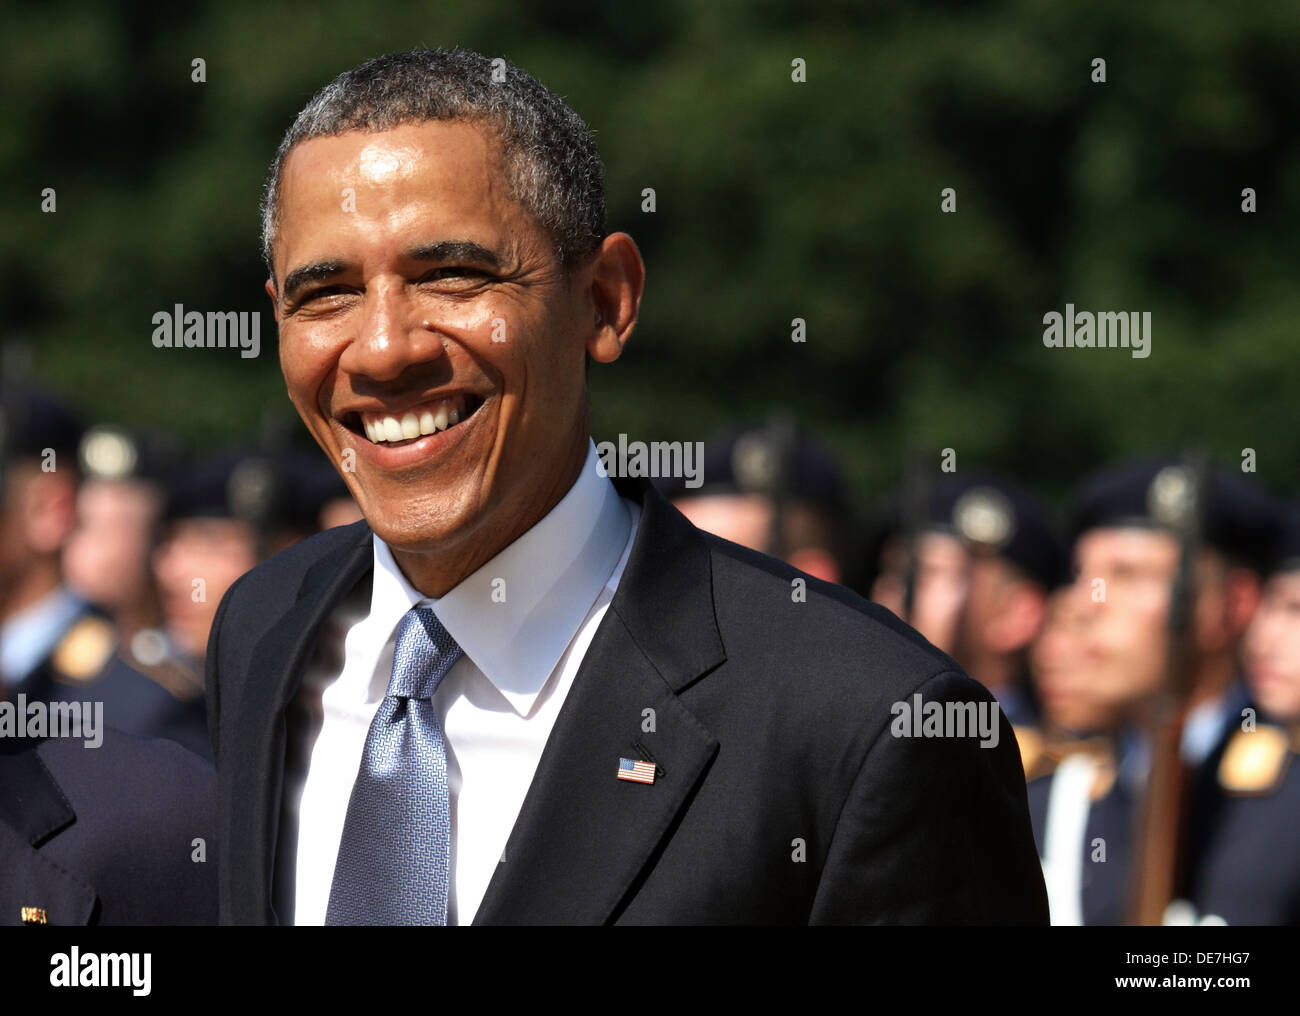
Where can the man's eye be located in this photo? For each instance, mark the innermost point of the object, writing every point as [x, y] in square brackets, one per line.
[316, 294]
[452, 272]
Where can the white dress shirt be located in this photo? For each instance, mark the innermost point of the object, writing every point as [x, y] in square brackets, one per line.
[524, 621]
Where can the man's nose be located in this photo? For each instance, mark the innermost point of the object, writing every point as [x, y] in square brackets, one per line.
[391, 337]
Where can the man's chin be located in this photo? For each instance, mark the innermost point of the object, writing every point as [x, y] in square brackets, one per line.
[421, 526]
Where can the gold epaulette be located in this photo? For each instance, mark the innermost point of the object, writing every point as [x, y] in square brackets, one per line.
[1255, 760]
[84, 650]
[1033, 754]
[1042, 753]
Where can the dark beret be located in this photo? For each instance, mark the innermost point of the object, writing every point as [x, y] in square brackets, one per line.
[1287, 556]
[990, 514]
[32, 420]
[285, 489]
[1238, 517]
[115, 453]
[749, 458]
[309, 482]
[238, 484]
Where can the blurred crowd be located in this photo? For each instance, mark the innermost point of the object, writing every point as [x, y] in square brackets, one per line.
[1144, 643]
[116, 548]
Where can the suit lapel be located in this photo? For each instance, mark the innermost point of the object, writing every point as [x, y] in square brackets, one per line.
[278, 663]
[583, 836]
[32, 810]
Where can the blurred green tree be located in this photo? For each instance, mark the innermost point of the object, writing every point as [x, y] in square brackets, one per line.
[775, 200]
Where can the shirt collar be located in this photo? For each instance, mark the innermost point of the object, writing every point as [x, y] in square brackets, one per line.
[1204, 726]
[516, 615]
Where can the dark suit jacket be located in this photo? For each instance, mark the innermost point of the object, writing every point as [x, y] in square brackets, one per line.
[781, 796]
[104, 835]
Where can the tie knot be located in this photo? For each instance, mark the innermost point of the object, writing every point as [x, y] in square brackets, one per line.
[424, 653]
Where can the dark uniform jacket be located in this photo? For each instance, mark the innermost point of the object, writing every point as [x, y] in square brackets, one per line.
[105, 835]
[1245, 832]
[1105, 871]
[1242, 839]
[87, 666]
[781, 795]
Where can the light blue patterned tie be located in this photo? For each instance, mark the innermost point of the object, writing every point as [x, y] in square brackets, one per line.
[395, 853]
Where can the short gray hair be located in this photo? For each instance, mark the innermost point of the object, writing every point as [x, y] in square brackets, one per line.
[550, 159]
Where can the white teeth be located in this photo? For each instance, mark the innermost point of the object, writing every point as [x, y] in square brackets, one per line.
[413, 424]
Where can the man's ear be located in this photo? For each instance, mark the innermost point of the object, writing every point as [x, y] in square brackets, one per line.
[275, 297]
[617, 281]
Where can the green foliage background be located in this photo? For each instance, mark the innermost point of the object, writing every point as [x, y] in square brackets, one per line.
[775, 200]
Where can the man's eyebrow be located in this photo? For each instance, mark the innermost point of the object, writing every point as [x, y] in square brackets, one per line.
[318, 272]
[441, 251]
[455, 250]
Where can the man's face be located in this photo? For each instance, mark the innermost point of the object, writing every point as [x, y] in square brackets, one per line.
[1117, 611]
[984, 589]
[943, 568]
[1000, 612]
[414, 291]
[741, 518]
[213, 550]
[37, 514]
[1069, 698]
[1273, 649]
[106, 559]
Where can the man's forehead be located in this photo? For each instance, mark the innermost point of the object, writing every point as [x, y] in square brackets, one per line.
[1285, 584]
[414, 185]
[404, 152]
[1138, 543]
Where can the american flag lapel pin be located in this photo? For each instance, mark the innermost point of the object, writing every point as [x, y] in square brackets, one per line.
[635, 770]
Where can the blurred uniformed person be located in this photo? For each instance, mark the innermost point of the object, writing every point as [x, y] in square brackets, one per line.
[773, 489]
[119, 502]
[1113, 624]
[1246, 819]
[44, 626]
[145, 690]
[224, 514]
[215, 529]
[982, 556]
[318, 497]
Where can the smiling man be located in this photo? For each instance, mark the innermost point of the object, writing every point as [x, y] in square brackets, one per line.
[521, 691]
